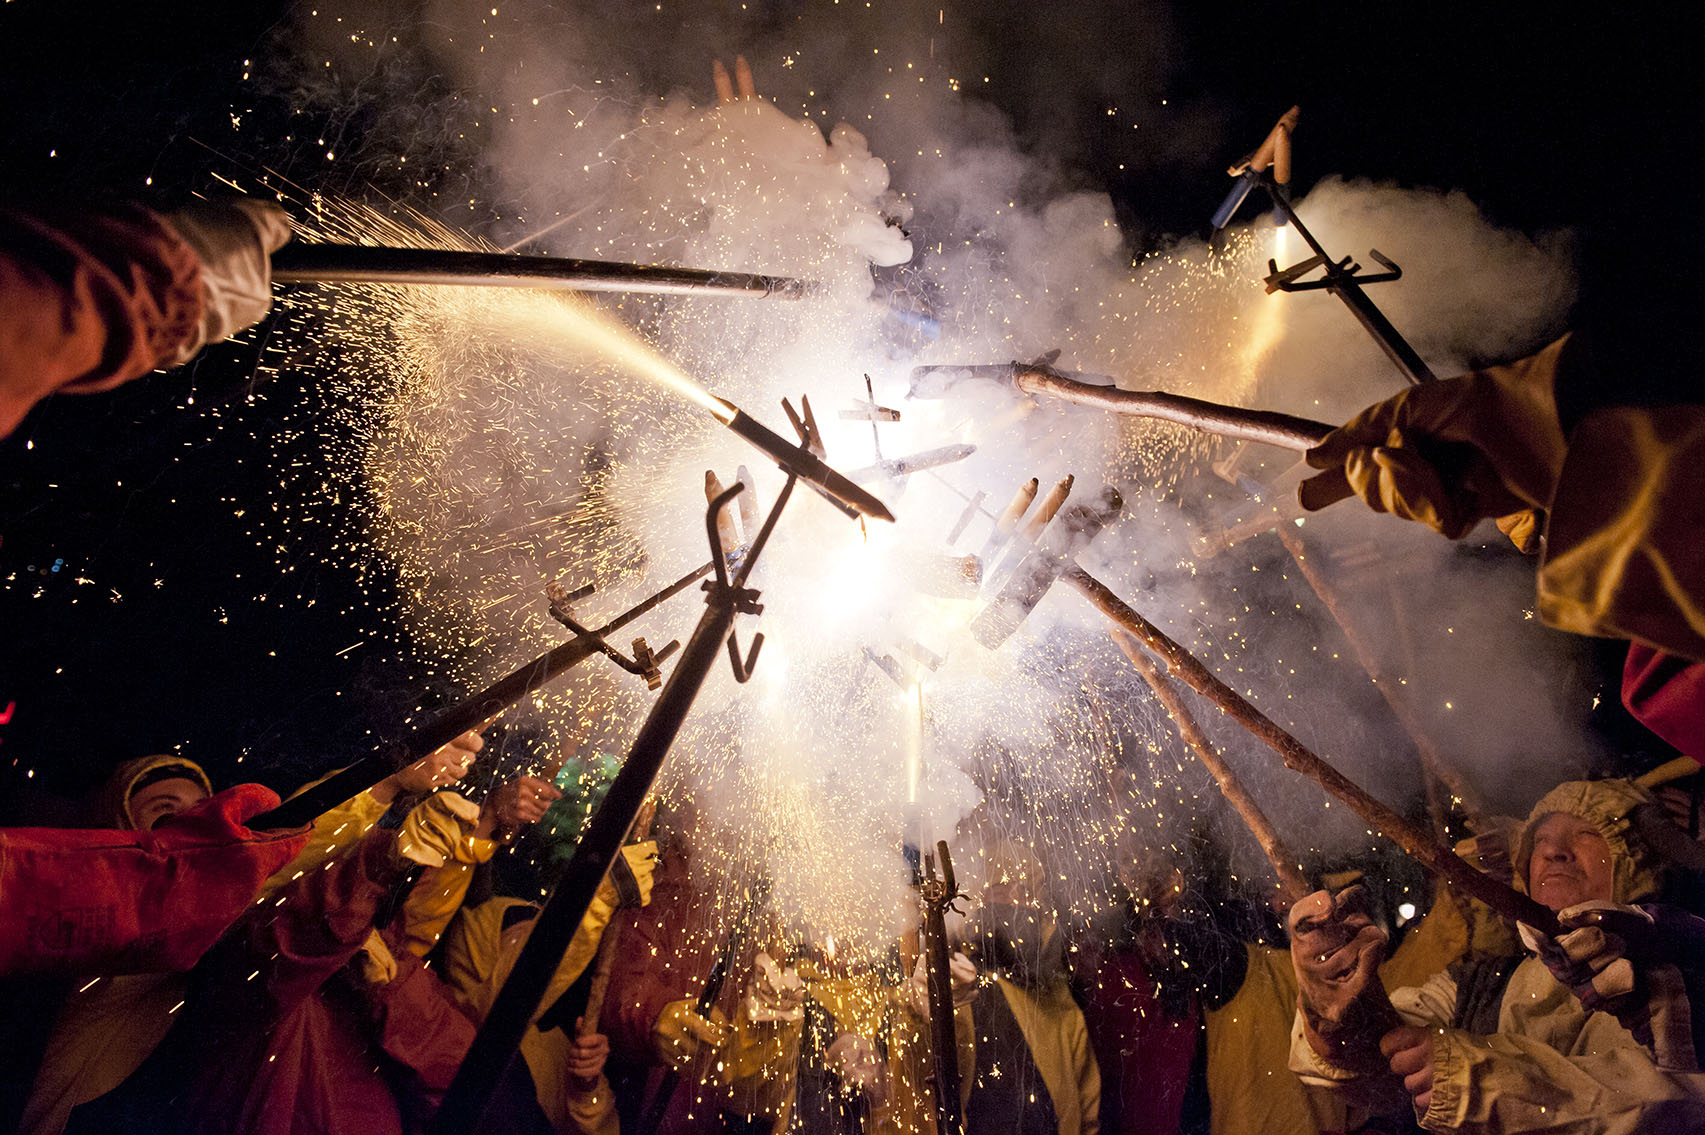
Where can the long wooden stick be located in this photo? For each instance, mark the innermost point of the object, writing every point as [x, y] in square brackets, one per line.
[1298, 757]
[1278, 854]
[1265, 426]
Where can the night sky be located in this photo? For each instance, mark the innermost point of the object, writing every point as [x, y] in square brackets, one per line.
[134, 559]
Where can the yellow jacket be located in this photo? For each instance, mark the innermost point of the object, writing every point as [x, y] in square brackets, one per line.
[1551, 1067]
[1054, 1029]
[1249, 1038]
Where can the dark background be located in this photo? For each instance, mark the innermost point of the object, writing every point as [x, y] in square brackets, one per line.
[145, 602]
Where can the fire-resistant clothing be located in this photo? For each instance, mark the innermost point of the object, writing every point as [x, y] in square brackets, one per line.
[905, 1027]
[1571, 444]
[106, 1029]
[108, 902]
[1666, 692]
[664, 954]
[1248, 1042]
[1617, 488]
[1514, 1050]
[108, 1026]
[1143, 979]
[1451, 453]
[112, 806]
[1032, 1057]
[257, 1050]
[478, 956]
[92, 299]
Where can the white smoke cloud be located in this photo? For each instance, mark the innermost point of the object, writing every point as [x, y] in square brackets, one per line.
[518, 456]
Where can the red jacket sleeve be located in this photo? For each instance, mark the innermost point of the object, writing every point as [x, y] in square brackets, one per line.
[1667, 694]
[420, 1026]
[76, 901]
[314, 925]
[89, 301]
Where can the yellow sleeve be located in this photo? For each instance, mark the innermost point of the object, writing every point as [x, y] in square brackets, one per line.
[432, 903]
[336, 830]
[570, 1108]
[1088, 1078]
[1248, 1042]
[759, 1065]
[1506, 1082]
[1429, 1005]
[1623, 558]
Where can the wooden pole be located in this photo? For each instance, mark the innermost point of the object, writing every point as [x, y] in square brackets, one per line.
[1299, 758]
[1290, 874]
[1265, 426]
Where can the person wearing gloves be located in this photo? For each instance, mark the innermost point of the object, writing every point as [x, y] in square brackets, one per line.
[138, 899]
[93, 298]
[736, 1065]
[255, 1048]
[1594, 1032]
[566, 1089]
[1590, 453]
[1035, 1072]
[865, 1055]
[107, 1027]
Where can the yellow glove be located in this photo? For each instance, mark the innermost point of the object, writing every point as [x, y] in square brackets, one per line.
[680, 1034]
[438, 829]
[1450, 454]
[629, 880]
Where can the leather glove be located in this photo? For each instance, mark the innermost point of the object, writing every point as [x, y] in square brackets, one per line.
[1592, 955]
[1336, 950]
[1489, 847]
[437, 829]
[680, 1034]
[628, 882]
[963, 974]
[1624, 960]
[775, 994]
[1452, 453]
[855, 1060]
[235, 239]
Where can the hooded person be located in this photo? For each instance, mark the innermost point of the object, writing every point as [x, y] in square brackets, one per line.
[108, 1026]
[737, 1065]
[137, 897]
[565, 1071]
[1035, 1072]
[1509, 1044]
[255, 1048]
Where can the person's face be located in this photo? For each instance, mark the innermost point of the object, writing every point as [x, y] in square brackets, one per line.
[1570, 864]
[154, 802]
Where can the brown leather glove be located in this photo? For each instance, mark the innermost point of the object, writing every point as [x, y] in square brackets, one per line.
[1450, 454]
[1337, 950]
